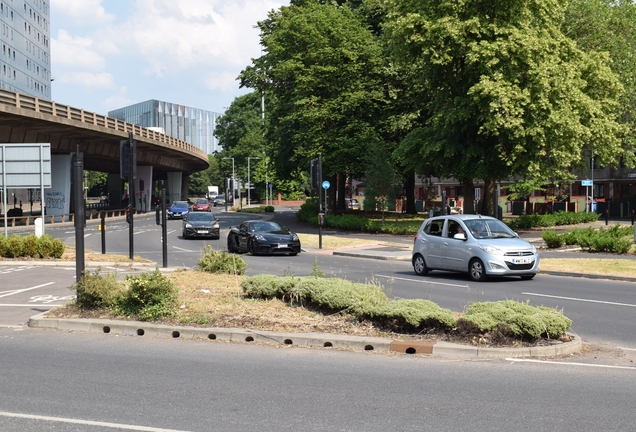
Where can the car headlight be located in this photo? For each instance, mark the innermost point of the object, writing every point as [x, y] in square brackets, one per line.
[259, 237]
[216, 225]
[534, 249]
[188, 225]
[294, 237]
[491, 250]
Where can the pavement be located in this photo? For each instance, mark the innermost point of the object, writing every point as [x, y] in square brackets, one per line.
[399, 249]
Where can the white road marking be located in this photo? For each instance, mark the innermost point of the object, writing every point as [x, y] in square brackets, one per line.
[32, 305]
[627, 349]
[181, 249]
[86, 422]
[8, 293]
[422, 280]
[571, 364]
[579, 299]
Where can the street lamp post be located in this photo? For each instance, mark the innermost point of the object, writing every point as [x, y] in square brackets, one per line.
[249, 185]
[233, 181]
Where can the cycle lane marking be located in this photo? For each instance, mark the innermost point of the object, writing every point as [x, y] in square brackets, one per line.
[13, 292]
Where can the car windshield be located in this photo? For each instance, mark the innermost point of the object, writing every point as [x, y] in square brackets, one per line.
[196, 216]
[265, 226]
[220, 197]
[179, 205]
[488, 228]
[201, 201]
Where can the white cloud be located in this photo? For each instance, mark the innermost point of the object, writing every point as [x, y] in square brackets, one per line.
[88, 80]
[223, 81]
[75, 52]
[119, 99]
[82, 12]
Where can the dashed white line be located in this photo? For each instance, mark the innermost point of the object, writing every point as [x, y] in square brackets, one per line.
[421, 280]
[86, 422]
[8, 293]
[580, 299]
[571, 364]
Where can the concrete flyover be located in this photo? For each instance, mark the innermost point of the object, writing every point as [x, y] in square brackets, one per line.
[28, 119]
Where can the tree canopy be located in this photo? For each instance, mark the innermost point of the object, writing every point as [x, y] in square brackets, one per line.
[504, 91]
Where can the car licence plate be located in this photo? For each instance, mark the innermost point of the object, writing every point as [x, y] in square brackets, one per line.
[521, 260]
[282, 245]
[202, 231]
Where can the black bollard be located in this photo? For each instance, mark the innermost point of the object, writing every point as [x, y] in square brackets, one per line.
[606, 216]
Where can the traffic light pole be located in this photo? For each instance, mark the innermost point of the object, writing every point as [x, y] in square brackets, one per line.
[321, 212]
[80, 212]
[131, 193]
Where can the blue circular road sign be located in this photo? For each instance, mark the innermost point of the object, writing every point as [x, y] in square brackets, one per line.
[326, 184]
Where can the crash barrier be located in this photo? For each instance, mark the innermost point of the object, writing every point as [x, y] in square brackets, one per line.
[29, 220]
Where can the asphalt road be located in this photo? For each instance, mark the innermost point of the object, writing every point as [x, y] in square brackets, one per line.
[137, 383]
[602, 311]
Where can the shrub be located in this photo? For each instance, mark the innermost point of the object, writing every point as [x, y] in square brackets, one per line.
[364, 301]
[525, 321]
[420, 314]
[552, 239]
[98, 291]
[260, 209]
[58, 248]
[45, 246]
[15, 246]
[309, 212]
[150, 296]
[526, 221]
[219, 261]
[4, 246]
[30, 246]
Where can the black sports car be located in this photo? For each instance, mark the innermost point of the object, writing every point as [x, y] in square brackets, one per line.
[260, 237]
[201, 225]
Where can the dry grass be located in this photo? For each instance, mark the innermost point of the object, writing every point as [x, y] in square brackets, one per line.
[598, 266]
[335, 242]
[217, 300]
[89, 255]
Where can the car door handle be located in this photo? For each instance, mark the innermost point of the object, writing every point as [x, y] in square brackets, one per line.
[445, 243]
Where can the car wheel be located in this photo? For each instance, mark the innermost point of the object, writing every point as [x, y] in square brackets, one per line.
[477, 270]
[527, 277]
[230, 245]
[419, 265]
[183, 234]
[251, 247]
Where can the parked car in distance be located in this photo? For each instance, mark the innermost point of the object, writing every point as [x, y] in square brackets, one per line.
[178, 209]
[219, 200]
[481, 246]
[352, 204]
[201, 205]
[201, 225]
[262, 237]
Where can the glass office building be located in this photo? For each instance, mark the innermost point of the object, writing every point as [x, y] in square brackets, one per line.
[25, 59]
[192, 125]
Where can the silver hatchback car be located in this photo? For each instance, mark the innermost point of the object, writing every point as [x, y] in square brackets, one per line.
[481, 246]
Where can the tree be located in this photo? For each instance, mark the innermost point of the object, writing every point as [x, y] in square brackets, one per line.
[382, 187]
[610, 26]
[322, 67]
[504, 92]
[198, 182]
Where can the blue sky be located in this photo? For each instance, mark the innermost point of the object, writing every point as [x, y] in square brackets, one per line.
[107, 54]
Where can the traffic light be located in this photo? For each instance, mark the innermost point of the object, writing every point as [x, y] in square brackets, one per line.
[315, 173]
[127, 148]
[128, 215]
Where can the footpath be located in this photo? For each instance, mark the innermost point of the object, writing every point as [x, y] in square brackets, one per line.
[399, 248]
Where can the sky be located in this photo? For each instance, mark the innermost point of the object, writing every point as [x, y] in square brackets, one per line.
[108, 54]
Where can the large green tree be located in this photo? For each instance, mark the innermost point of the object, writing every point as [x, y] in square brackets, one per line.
[504, 92]
[610, 26]
[323, 69]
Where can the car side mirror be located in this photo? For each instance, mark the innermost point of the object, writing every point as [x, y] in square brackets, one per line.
[460, 236]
